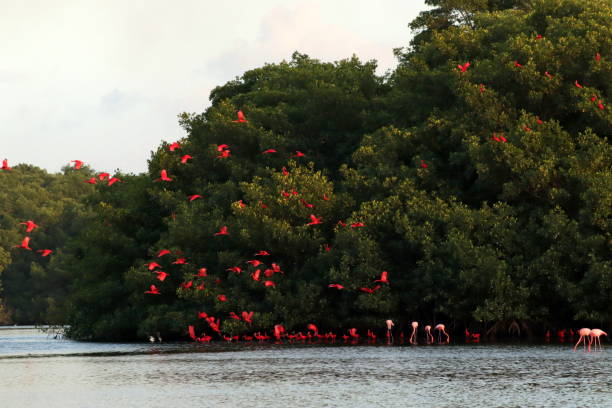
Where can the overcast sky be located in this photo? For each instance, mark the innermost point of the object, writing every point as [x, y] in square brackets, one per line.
[103, 80]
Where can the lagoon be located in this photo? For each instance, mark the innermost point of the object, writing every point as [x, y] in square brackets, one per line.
[39, 371]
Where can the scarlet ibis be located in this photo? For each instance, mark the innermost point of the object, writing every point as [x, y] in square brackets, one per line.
[45, 252]
[247, 316]
[270, 283]
[24, 244]
[298, 154]
[90, 181]
[201, 273]
[162, 253]
[517, 64]
[241, 117]
[548, 75]
[186, 285]
[103, 176]
[235, 269]
[185, 158]
[234, 316]
[153, 290]
[222, 147]
[113, 180]
[222, 298]
[285, 172]
[357, 225]
[578, 85]
[174, 146]
[384, 277]
[222, 231]
[597, 57]
[5, 165]
[152, 265]
[180, 261]
[269, 151]
[77, 164]
[161, 275]
[256, 275]
[464, 67]
[164, 176]
[262, 253]
[314, 220]
[224, 154]
[254, 262]
[30, 225]
[194, 197]
[423, 164]
[325, 197]
[241, 204]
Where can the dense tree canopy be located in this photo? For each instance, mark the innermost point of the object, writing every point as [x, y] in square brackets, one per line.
[477, 174]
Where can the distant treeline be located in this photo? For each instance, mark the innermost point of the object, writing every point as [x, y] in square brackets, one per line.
[478, 174]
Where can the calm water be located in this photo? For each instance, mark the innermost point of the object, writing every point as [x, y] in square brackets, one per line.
[38, 371]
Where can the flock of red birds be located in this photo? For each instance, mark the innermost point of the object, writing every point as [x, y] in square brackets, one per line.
[279, 332]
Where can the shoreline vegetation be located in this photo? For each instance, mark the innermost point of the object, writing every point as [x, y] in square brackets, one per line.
[471, 186]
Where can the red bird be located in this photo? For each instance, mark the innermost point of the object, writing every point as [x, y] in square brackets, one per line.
[517, 64]
[113, 180]
[383, 277]
[241, 204]
[527, 128]
[200, 286]
[77, 164]
[185, 158]
[313, 328]
[45, 252]
[222, 147]
[270, 283]
[285, 194]
[180, 261]
[153, 290]
[464, 67]
[538, 120]
[254, 262]
[222, 231]
[247, 316]
[24, 244]
[222, 298]
[91, 181]
[186, 285]
[201, 273]
[5, 165]
[174, 146]
[298, 154]
[262, 253]
[224, 154]
[548, 75]
[164, 176]
[315, 220]
[103, 176]
[342, 223]
[194, 197]
[326, 247]
[335, 286]
[234, 316]
[152, 265]
[423, 164]
[600, 105]
[357, 225]
[268, 273]
[30, 225]
[578, 84]
[325, 197]
[539, 37]
[161, 275]
[285, 172]
[241, 118]
[306, 204]
[256, 275]
[234, 269]
[481, 88]
[269, 151]
[353, 333]
[162, 253]
[597, 57]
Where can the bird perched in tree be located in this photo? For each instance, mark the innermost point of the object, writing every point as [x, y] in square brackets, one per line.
[174, 146]
[113, 180]
[384, 277]
[90, 180]
[335, 286]
[314, 220]
[185, 158]
[103, 176]
[153, 290]
[5, 165]
[163, 252]
[222, 231]
[194, 197]
[152, 265]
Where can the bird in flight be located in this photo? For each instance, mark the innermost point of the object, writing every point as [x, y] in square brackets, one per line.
[222, 298]
[77, 164]
[222, 231]
[384, 277]
[298, 154]
[161, 275]
[235, 269]
[194, 197]
[30, 225]
[269, 151]
[44, 252]
[247, 317]
[335, 286]
[164, 176]
[262, 253]
[24, 244]
[254, 262]
[153, 290]
[224, 154]
[464, 67]
[241, 117]
[314, 220]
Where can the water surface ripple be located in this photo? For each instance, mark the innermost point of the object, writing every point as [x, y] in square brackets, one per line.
[37, 371]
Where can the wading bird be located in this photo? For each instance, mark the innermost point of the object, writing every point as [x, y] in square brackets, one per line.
[413, 336]
[584, 333]
[595, 334]
[440, 328]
